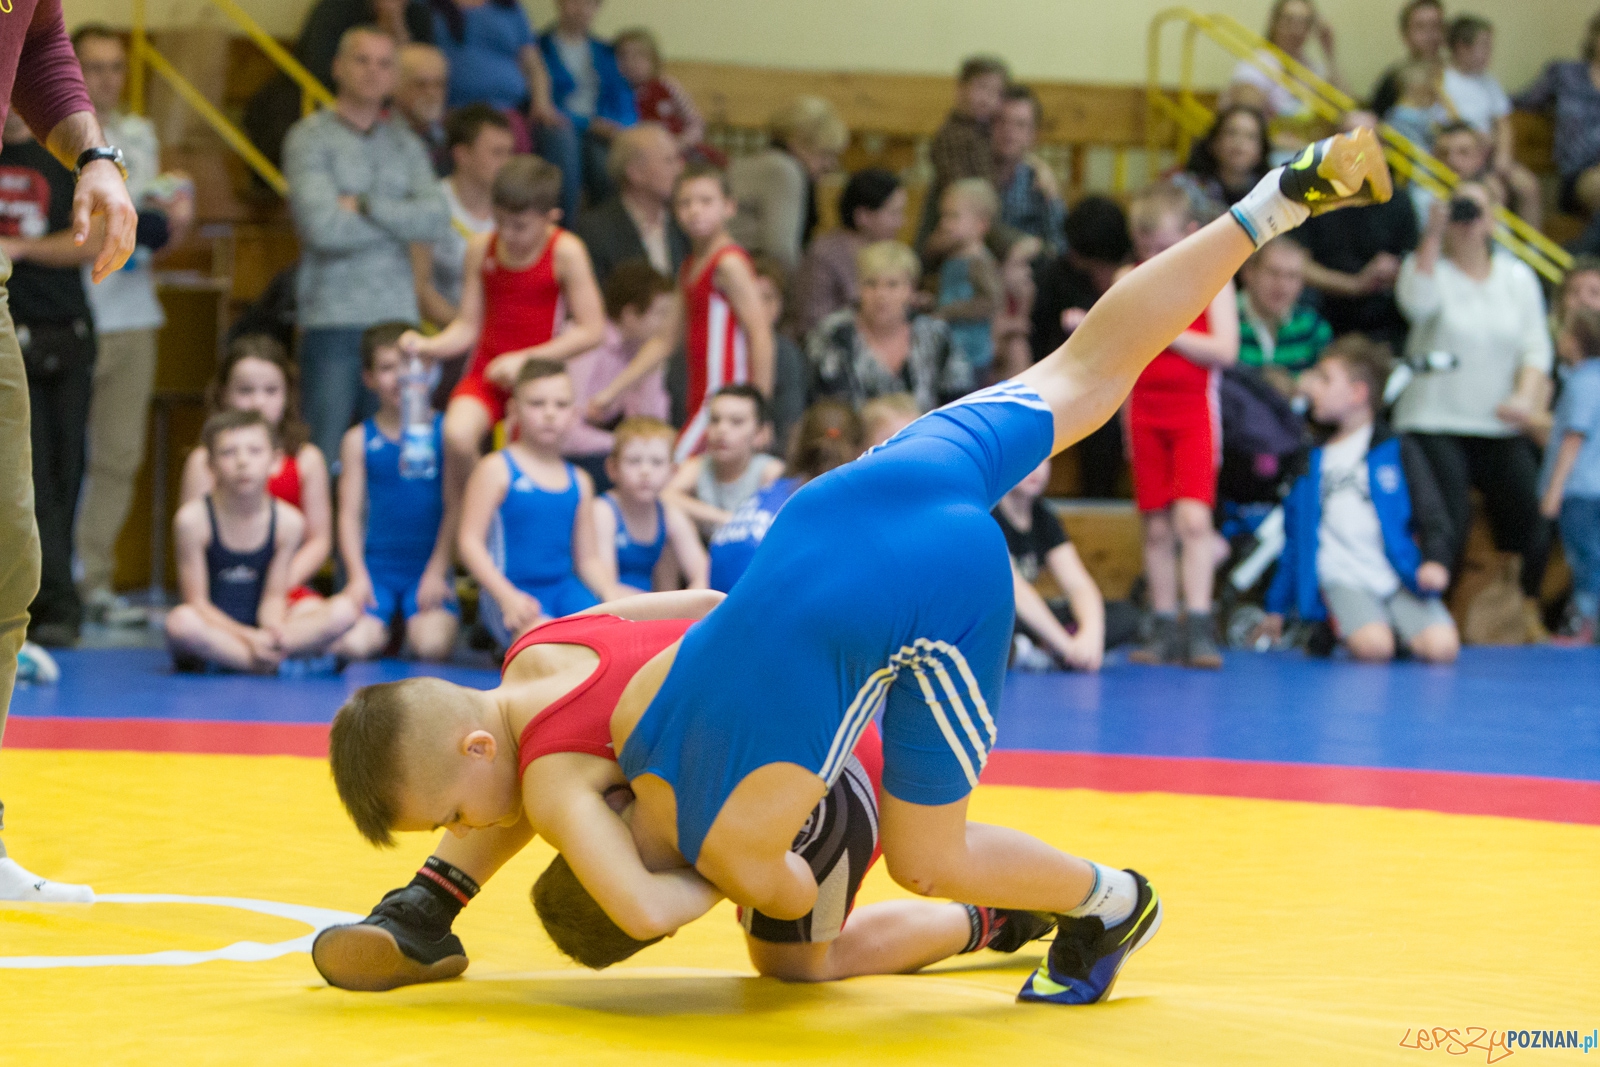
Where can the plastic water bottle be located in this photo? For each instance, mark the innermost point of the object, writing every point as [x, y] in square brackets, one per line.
[418, 456]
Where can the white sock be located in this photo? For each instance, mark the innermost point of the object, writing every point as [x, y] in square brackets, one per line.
[1112, 898]
[1266, 213]
[17, 883]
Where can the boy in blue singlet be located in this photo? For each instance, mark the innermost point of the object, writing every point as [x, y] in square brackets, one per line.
[644, 542]
[392, 532]
[234, 546]
[883, 587]
[527, 519]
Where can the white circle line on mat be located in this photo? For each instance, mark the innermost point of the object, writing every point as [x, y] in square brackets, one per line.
[318, 919]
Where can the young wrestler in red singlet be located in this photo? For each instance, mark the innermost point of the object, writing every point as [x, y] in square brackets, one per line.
[528, 293]
[718, 314]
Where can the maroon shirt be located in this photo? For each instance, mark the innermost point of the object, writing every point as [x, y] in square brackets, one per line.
[33, 40]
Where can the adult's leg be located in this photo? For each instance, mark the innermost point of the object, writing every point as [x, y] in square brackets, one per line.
[60, 396]
[124, 372]
[331, 393]
[560, 145]
[1506, 471]
[19, 536]
[1447, 456]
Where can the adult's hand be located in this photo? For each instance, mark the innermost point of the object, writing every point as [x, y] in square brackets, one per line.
[1380, 273]
[101, 193]
[1433, 577]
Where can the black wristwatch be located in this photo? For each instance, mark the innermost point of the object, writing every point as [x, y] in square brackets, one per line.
[104, 152]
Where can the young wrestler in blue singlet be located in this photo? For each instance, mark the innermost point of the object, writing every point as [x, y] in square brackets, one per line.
[526, 529]
[645, 542]
[882, 586]
[392, 531]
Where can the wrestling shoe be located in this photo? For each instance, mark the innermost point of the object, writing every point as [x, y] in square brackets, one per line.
[1008, 930]
[1085, 959]
[1346, 170]
[405, 940]
[1199, 646]
[1164, 645]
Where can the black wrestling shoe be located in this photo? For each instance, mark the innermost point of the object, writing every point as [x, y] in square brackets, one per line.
[1014, 929]
[405, 940]
[1346, 170]
[1086, 958]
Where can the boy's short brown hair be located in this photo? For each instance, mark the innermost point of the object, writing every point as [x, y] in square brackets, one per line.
[376, 338]
[527, 183]
[364, 754]
[1365, 360]
[1464, 31]
[227, 421]
[463, 125]
[1159, 201]
[644, 38]
[695, 171]
[978, 66]
[640, 428]
[1584, 327]
[535, 369]
[744, 391]
[635, 284]
[577, 923]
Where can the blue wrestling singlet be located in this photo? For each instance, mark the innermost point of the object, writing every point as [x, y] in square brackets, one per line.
[403, 517]
[636, 560]
[882, 584]
[530, 540]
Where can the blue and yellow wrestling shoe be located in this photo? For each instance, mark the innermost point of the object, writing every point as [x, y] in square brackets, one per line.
[1085, 958]
[1346, 170]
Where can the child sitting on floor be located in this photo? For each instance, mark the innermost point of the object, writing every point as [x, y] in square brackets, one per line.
[1572, 470]
[828, 436]
[710, 488]
[645, 544]
[970, 290]
[392, 535]
[521, 282]
[1073, 631]
[235, 547]
[527, 525]
[637, 301]
[258, 375]
[1366, 528]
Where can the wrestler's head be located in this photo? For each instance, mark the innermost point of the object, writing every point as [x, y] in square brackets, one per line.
[577, 923]
[421, 754]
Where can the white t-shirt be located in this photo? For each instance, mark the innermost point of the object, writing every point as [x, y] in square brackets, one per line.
[1281, 102]
[1478, 99]
[1350, 540]
[579, 61]
[450, 252]
[126, 300]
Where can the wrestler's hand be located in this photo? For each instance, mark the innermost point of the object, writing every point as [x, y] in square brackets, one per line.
[266, 650]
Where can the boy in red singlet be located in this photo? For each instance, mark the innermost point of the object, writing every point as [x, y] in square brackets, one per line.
[529, 293]
[1175, 440]
[718, 314]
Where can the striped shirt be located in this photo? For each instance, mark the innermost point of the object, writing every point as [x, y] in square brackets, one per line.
[1295, 344]
[716, 348]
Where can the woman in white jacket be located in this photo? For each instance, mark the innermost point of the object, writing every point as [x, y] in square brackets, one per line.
[1483, 307]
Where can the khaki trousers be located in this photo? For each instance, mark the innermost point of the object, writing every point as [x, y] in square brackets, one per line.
[19, 536]
[124, 372]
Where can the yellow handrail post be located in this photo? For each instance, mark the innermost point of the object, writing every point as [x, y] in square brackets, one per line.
[310, 87]
[136, 50]
[219, 122]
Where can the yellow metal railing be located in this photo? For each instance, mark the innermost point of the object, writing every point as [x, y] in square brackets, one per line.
[143, 59]
[1409, 161]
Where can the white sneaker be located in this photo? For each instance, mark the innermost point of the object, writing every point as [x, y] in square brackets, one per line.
[36, 666]
[20, 884]
[107, 608]
[1026, 656]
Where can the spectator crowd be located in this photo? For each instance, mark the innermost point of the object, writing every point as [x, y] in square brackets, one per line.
[551, 347]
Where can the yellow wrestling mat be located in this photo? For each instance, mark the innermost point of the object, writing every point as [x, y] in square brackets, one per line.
[1295, 934]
